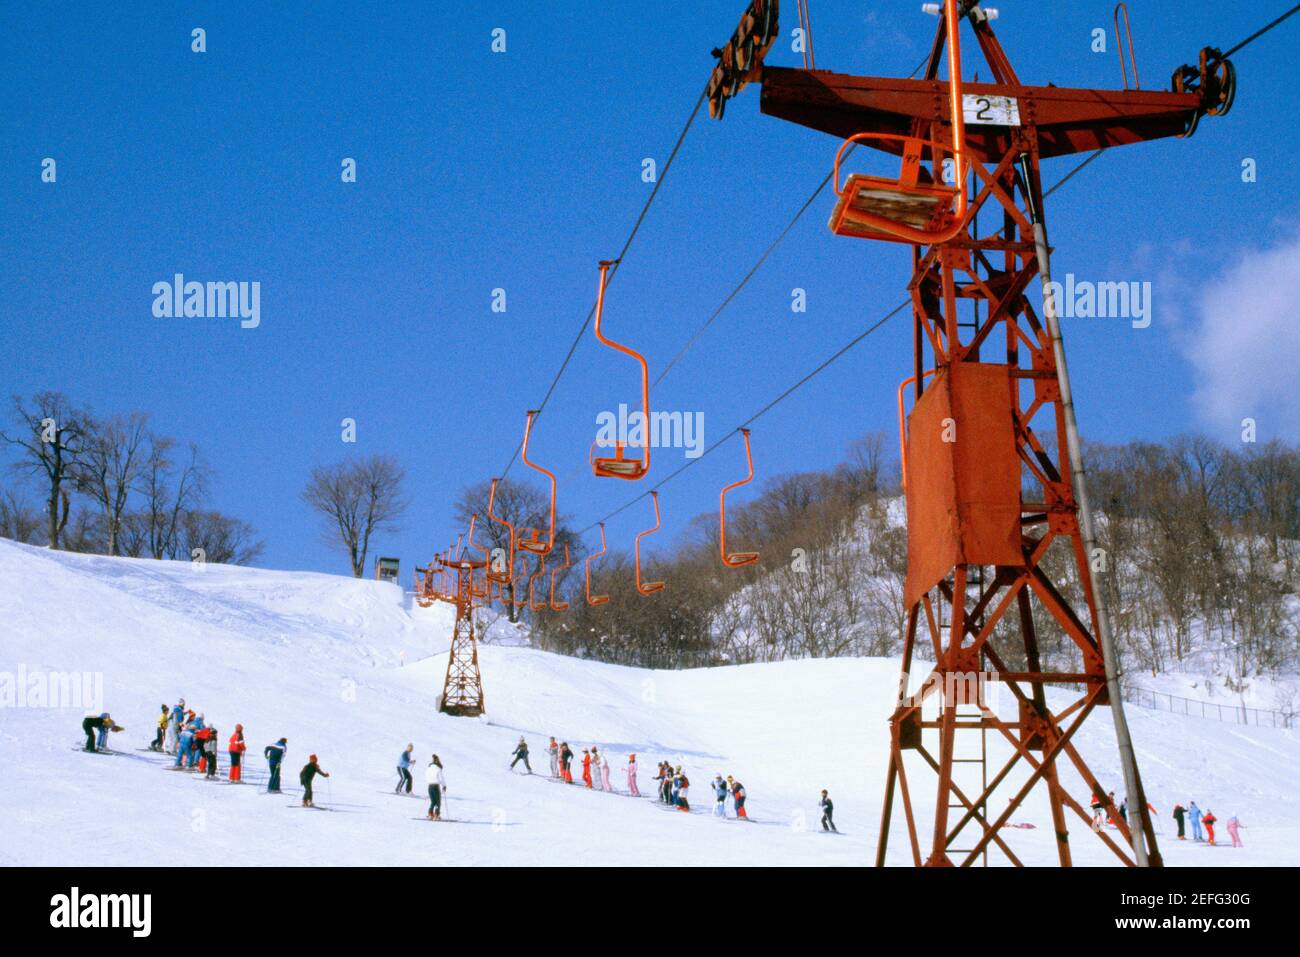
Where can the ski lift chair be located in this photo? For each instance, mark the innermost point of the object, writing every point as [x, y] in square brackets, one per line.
[620, 466]
[912, 208]
[530, 539]
[595, 599]
[647, 588]
[734, 559]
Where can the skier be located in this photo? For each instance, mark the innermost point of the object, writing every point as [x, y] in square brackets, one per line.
[1195, 813]
[183, 745]
[96, 724]
[274, 754]
[586, 766]
[720, 796]
[108, 725]
[737, 796]
[566, 762]
[828, 813]
[305, 778]
[201, 739]
[404, 762]
[162, 729]
[521, 754]
[1179, 814]
[1233, 825]
[553, 750]
[631, 776]
[604, 771]
[437, 783]
[236, 749]
[210, 751]
[174, 726]
[1096, 804]
[1123, 810]
[665, 780]
[1111, 814]
[1209, 820]
[681, 784]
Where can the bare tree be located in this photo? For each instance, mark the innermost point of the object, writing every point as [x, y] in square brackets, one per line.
[111, 462]
[51, 434]
[169, 490]
[356, 498]
[18, 520]
[211, 536]
[521, 505]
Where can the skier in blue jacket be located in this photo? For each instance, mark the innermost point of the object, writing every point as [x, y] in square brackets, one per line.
[404, 770]
[185, 742]
[274, 754]
[1194, 813]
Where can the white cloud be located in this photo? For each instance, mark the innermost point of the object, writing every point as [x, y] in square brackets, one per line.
[1244, 342]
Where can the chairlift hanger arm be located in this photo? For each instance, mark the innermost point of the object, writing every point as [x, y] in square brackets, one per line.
[618, 466]
[595, 599]
[533, 542]
[647, 588]
[734, 559]
[562, 605]
[508, 576]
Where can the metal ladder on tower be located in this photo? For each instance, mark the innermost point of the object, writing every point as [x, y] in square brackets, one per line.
[970, 720]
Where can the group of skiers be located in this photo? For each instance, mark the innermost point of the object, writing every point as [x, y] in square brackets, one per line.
[1202, 821]
[184, 733]
[195, 743]
[435, 780]
[672, 787]
[1205, 820]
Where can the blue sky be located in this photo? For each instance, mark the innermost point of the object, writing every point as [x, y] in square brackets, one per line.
[519, 171]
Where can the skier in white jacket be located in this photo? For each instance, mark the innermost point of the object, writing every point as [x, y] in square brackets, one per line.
[604, 773]
[437, 783]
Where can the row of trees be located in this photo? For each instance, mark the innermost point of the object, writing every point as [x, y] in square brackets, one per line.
[111, 484]
[1202, 545]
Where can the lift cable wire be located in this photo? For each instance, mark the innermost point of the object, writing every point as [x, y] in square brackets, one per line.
[839, 353]
[761, 259]
[663, 174]
[874, 326]
[1260, 32]
[825, 364]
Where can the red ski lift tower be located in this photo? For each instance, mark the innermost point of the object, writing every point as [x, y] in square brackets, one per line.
[991, 449]
[462, 691]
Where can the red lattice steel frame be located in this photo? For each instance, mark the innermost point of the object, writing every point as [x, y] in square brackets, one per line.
[1005, 164]
[462, 690]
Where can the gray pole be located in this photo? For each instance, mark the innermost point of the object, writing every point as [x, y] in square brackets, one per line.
[1127, 759]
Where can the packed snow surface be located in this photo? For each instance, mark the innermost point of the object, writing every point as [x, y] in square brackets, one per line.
[349, 670]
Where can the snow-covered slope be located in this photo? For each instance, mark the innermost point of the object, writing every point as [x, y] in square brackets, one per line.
[349, 670]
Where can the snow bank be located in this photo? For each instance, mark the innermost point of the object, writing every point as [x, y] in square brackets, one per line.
[349, 669]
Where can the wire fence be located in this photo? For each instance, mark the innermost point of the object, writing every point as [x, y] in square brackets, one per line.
[1228, 713]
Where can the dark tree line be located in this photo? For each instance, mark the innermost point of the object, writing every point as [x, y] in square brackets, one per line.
[1201, 541]
[111, 484]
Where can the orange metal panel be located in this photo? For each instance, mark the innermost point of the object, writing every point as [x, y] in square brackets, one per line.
[961, 436]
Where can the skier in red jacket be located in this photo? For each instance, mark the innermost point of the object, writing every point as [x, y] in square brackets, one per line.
[237, 748]
[1208, 819]
[586, 767]
[201, 745]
